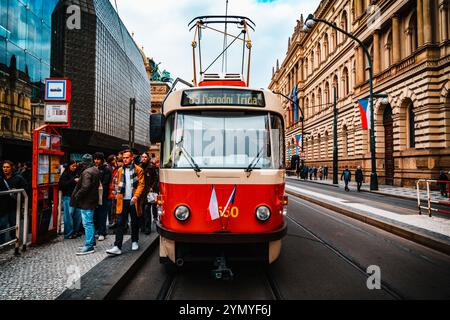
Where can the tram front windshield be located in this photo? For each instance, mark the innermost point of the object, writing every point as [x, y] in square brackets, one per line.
[217, 139]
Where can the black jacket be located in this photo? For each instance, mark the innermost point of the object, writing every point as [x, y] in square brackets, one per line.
[359, 176]
[85, 195]
[67, 182]
[105, 178]
[7, 202]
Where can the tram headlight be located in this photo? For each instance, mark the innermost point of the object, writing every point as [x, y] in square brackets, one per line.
[182, 213]
[263, 213]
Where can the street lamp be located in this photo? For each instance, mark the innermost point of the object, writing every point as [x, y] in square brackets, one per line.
[309, 23]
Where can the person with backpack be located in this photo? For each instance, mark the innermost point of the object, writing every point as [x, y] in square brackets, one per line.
[359, 177]
[347, 176]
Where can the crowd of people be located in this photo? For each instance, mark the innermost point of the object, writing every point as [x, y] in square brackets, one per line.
[98, 194]
[101, 194]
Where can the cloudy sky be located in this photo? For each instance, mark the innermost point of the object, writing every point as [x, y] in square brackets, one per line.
[160, 26]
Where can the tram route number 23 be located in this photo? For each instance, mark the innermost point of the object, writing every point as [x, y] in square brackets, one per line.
[232, 212]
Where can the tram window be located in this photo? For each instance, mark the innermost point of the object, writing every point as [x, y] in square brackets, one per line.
[278, 140]
[168, 142]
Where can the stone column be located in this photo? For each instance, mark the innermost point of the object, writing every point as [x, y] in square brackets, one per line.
[376, 52]
[427, 23]
[396, 42]
[419, 23]
[359, 65]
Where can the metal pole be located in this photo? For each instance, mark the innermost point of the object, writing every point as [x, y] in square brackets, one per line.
[335, 141]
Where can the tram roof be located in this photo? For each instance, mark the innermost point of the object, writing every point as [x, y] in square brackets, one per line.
[173, 101]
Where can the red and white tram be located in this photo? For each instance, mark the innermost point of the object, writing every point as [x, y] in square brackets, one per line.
[222, 176]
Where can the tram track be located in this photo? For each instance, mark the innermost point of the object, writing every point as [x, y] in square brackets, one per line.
[348, 260]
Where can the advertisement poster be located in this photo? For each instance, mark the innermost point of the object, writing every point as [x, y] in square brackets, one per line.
[54, 169]
[43, 169]
[44, 141]
[55, 143]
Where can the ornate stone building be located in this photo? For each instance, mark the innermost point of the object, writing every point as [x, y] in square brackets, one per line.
[410, 48]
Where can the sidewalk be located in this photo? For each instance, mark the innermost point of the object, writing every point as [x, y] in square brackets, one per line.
[433, 232]
[44, 272]
[392, 191]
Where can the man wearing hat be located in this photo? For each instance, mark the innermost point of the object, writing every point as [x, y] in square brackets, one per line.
[85, 197]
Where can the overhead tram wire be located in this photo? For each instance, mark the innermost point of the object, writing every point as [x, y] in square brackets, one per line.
[221, 53]
[224, 58]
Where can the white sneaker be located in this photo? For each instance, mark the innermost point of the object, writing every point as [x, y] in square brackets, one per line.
[101, 238]
[134, 246]
[115, 250]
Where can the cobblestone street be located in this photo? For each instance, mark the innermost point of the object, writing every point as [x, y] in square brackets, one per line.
[44, 272]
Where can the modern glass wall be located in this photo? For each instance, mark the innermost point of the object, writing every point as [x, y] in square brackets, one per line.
[25, 33]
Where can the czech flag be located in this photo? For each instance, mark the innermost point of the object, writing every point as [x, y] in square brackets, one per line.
[298, 139]
[213, 205]
[364, 109]
[230, 200]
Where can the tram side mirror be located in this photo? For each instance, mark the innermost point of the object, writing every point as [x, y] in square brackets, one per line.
[156, 127]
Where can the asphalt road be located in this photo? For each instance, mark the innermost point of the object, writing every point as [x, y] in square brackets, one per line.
[325, 256]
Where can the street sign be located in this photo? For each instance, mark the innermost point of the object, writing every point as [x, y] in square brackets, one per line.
[56, 113]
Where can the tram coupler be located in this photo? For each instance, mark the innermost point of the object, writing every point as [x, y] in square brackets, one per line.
[222, 272]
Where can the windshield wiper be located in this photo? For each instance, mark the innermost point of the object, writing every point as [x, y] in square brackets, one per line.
[191, 161]
[251, 166]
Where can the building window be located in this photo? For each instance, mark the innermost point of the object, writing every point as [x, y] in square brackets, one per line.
[327, 94]
[319, 100]
[306, 67]
[313, 104]
[336, 86]
[411, 33]
[325, 46]
[344, 24]
[319, 57]
[388, 51]
[345, 141]
[345, 82]
[307, 107]
[312, 62]
[319, 147]
[411, 126]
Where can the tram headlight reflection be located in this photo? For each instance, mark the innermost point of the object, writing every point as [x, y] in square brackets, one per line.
[182, 213]
[263, 213]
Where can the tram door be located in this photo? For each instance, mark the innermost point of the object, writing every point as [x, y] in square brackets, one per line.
[388, 124]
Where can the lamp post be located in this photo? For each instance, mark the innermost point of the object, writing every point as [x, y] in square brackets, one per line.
[309, 23]
[132, 120]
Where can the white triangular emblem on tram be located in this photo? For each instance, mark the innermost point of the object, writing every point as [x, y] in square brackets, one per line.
[214, 206]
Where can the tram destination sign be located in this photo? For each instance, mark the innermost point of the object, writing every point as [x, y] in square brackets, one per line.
[223, 97]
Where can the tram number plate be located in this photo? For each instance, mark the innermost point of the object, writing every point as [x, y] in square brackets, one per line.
[232, 212]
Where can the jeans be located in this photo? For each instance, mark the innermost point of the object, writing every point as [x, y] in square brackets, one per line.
[122, 220]
[72, 219]
[100, 217]
[89, 230]
[359, 185]
[346, 185]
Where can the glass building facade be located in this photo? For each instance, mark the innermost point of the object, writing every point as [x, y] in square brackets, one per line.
[25, 33]
[25, 62]
[107, 70]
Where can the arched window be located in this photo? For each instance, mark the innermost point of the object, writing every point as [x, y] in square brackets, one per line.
[345, 82]
[344, 24]
[411, 33]
[388, 54]
[411, 126]
[312, 62]
[336, 85]
[335, 39]
[319, 100]
[325, 46]
[327, 94]
[319, 57]
[306, 67]
[327, 149]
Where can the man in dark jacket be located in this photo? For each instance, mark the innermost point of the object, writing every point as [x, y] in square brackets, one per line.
[359, 177]
[86, 197]
[8, 207]
[347, 176]
[72, 217]
[101, 213]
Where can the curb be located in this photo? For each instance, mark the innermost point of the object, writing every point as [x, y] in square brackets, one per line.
[401, 232]
[108, 278]
[368, 191]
